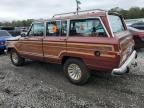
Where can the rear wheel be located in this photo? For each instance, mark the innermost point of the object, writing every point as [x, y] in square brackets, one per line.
[16, 59]
[76, 71]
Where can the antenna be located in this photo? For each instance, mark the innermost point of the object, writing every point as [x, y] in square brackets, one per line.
[77, 6]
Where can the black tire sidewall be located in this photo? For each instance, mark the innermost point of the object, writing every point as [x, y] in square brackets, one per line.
[84, 71]
[20, 59]
[1, 51]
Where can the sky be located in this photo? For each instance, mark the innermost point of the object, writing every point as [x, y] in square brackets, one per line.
[37, 9]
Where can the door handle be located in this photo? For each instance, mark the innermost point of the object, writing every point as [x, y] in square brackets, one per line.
[26, 38]
[63, 39]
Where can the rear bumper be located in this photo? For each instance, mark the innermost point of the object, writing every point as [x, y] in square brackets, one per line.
[124, 68]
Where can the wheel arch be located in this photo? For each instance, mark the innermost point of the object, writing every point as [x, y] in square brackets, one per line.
[10, 49]
[65, 58]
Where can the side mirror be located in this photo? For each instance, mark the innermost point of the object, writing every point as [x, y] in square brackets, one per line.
[23, 35]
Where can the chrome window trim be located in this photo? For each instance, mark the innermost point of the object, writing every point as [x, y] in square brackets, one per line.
[108, 35]
[104, 27]
[52, 21]
[123, 23]
[68, 27]
[60, 26]
[109, 24]
[45, 24]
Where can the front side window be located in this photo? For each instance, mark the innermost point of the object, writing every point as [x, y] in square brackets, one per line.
[53, 28]
[87, 27]
[37, 29]
[116, 24]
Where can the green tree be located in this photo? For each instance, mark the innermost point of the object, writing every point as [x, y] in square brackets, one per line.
[142, 12]
[134, 12]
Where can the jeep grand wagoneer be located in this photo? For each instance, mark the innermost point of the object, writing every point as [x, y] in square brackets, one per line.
[92, 40]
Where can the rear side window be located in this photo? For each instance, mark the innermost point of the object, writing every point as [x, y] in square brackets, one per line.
[87, 27]
[116, 23]
[37, 29]
[56, 28]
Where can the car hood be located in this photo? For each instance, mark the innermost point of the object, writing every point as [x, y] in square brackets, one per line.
[4, 38]
[14, 38]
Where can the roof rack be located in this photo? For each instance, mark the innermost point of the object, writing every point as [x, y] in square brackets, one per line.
[75, 13]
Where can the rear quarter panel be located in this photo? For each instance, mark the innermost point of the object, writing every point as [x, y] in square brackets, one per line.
[85, 48]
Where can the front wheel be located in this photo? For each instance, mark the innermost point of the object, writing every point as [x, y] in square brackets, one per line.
[76, 71]
[1, 51]
[16, 59]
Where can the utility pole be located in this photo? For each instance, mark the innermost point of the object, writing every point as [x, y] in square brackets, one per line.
[78, 7]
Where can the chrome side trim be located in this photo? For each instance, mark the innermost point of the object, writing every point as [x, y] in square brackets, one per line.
[104, 27]
[68, 27]
[108, 35]
[45, 29]
[124, 67]
[109, 24]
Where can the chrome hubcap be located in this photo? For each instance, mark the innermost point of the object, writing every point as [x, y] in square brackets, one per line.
[74, 71]
[14, 57]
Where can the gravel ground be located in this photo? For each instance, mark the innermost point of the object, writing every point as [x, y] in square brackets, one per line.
[42, 85]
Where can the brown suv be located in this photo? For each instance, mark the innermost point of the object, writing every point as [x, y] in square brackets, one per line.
[93, 40]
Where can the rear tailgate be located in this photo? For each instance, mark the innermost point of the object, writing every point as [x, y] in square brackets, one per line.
[126, 43]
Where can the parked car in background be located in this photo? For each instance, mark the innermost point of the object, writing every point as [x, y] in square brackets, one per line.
[93, 40]
[4, 35]
[138, 25]
[14, 31]
[138, 36]
[21, 30]
[137, 30]
[10, 29]
[129, 22]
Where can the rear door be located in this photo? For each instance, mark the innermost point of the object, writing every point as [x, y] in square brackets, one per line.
[31, 45]
[54, 43]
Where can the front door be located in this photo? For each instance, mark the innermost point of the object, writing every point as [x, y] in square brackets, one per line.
[31, 45]
[54, 43]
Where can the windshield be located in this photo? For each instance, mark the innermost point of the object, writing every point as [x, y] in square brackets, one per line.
[4, 33]
[116, 23]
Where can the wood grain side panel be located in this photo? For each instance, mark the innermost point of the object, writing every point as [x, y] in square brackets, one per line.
[90, 49]
[53, 49]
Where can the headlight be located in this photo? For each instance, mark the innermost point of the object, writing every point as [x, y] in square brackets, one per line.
[2, 43]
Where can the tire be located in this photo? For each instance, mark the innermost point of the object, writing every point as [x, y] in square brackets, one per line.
[76, 71]
[16, 59]
[1, 51]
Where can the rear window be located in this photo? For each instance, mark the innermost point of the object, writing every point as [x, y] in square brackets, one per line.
[116, 23]
[4, 33]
